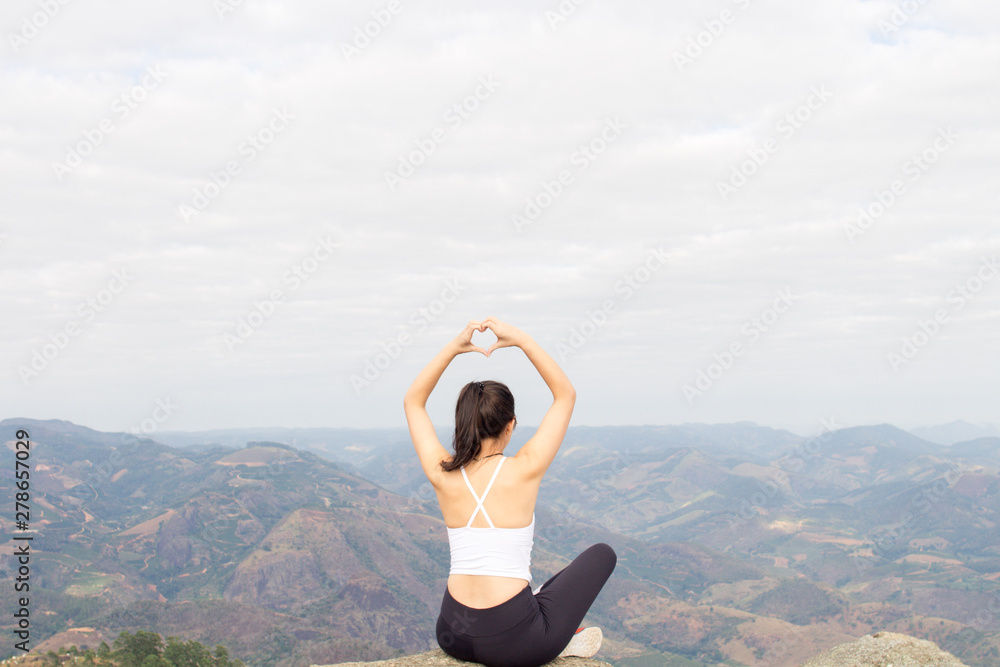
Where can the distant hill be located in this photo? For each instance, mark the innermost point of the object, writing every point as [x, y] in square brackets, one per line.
[956, 431]
[340, 441]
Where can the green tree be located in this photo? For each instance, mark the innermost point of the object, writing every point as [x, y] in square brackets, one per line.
[222, 656]
[186, 654]
[155, 661]
[131, 650]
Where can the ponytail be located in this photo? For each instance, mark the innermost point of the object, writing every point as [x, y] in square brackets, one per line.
[483, 411]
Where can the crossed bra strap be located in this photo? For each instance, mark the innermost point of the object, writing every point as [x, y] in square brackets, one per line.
[480, 501]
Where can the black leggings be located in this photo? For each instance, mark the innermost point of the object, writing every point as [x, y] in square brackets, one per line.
[527, 630]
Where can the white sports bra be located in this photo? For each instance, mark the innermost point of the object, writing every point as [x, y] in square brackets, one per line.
[500, 552]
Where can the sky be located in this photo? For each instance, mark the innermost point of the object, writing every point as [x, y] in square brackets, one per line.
[242, 213]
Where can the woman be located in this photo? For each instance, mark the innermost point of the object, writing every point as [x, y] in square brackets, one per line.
[489, 613]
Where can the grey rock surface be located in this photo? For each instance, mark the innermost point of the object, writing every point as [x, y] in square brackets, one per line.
[885, 649]
[439, 658]
[880, 649]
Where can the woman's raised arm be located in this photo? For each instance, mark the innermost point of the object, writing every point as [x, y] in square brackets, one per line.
[541, 449]
[425, 440]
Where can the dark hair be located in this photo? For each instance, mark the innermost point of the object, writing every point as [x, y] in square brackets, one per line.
[483, 411]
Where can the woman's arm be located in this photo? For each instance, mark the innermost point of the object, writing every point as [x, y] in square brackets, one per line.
[425, 440]
[541, 449]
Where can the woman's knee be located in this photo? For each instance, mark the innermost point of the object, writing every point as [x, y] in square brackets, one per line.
[605, 553]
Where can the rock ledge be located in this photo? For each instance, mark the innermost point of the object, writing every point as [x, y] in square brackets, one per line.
[880, 649]
[885, 649]
[439, 658]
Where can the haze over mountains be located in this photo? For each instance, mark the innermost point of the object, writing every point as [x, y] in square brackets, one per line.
[956, 431]
[737, 542]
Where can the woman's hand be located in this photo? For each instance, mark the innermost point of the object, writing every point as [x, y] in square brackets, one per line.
[463, 342]
[507, 335]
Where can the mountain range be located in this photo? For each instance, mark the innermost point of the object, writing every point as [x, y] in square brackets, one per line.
[738, 544]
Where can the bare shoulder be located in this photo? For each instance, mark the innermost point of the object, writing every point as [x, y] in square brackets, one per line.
[525, 468]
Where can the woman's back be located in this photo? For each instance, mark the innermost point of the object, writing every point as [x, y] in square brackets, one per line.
[509, 504]
[508, 501]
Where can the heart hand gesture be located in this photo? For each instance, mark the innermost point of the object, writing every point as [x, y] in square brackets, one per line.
[507, 335]
[463, 342]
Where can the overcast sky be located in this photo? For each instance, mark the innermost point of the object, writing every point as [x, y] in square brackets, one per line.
[218, 213]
